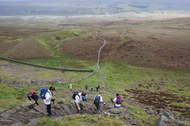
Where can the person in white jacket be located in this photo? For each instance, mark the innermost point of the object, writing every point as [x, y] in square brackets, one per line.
[78, 101]
[47, 100]
[117, 101]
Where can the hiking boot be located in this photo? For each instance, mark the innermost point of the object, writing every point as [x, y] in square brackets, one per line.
[52, 114]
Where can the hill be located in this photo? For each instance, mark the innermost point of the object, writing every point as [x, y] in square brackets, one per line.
[146, 61]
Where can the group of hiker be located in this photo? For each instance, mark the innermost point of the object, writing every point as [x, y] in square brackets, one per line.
[91, 89]
[46, 95]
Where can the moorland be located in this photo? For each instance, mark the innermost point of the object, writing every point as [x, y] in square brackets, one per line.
[146, 58]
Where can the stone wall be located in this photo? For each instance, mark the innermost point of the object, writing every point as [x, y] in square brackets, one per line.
[44, 82]
[39, 83]
[20, 62]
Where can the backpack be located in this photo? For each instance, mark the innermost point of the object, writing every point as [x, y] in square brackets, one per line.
[85, 97]
[97, 100]
[33, 92]
[74, 95]
[119, 101]
[43, 92]
[86, 86]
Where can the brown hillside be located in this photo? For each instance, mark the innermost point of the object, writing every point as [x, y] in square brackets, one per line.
[159, 44]
[29, 49]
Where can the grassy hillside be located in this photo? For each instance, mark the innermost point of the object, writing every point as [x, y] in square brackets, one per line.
[145, 61]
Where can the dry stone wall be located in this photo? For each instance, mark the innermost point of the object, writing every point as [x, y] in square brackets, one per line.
[16, 61]
[44, 82]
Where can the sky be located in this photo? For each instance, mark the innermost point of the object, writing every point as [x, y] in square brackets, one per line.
[176, 2]
[143, 1]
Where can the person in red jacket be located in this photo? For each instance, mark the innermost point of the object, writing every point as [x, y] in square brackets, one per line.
[33, 97]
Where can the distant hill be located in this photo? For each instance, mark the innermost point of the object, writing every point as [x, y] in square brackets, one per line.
[138, 6]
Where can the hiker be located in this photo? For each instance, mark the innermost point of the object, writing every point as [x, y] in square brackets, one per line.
[33, 97]
[77, 96]
[85, 97]
[86, 87]
[97, 87]
[47, 99]
[70, 87]
[117, 101]
[103, 86]
[97, 101]
[91, 88]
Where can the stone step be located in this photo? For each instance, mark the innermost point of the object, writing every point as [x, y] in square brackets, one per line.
[40, 110]
[66, 109]
[72, 109]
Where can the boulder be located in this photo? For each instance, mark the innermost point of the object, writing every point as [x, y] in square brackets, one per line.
[28, 104]
[160, 111]
[164, 119]
[6, 114]
[115, 111]
[127, 117]
[17, 108]
[133, 121]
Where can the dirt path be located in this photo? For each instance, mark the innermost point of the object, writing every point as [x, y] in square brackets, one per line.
[100, 49]
[103, 75]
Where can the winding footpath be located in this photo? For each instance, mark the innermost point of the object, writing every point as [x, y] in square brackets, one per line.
[103, 75]
[100, 49]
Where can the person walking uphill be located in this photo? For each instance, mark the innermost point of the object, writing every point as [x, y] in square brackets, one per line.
[97, 101]
[97, 88]
[91, 89]
[85, 97]
[117, 101]
[70, 87]
[77, 96]
[47, 99]
[33, 97]
[86, 87]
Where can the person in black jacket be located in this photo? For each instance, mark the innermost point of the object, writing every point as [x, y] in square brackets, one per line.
[97, 88]
[33, 97]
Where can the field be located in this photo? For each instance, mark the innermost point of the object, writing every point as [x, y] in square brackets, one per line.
[145, 59]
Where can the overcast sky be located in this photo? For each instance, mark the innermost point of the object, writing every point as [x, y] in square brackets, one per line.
[179, 2]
